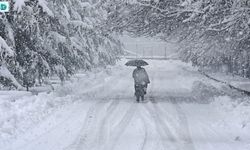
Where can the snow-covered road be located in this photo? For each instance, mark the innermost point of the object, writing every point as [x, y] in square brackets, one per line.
[183, 111]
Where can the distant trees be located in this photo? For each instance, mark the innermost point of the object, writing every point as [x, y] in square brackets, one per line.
[209, 32]
[39, 38]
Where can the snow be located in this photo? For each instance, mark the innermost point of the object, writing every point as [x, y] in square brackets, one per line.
[58, 37]
[86, 4]
[5, 48]
[234, 80]
[44, 5]
[4, 72]
[66, 12]
[13, 95]
[60, 69]
[239, 110]
[78, 23]
[19, 4]
[97, 110]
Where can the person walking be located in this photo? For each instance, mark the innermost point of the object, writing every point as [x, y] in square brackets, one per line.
[141, 81]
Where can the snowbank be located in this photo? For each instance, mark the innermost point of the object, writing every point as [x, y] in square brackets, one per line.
[234, 80]
[21, 111]
[236, 115]
[4, 72]
[169, 79]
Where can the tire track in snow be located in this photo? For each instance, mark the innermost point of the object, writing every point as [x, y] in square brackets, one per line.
[103, 130]
[91, 116]
[161, 128]
[94, 131]
[168, 140]
[204, 127]
[120, 128]
[145, 139]
[167, 123]
[183, 132]
[47, 131]
[147, 143]
[102, 121]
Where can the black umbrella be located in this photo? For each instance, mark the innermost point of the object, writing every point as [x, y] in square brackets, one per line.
[136, 62]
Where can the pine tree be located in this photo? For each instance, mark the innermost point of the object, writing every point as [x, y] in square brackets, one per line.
[48, 37]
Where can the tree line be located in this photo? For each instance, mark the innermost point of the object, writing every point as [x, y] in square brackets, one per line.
[210, 33]
[42, 38]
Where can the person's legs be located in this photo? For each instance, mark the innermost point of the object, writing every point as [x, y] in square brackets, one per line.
[137, 93]
[135, 89]
[145, 89]
[142, 98]
[138, 98]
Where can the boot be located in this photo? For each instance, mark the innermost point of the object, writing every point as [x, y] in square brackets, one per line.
[137, 99]
[142, 98]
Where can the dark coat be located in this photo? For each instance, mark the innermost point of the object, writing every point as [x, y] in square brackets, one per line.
[140, 76]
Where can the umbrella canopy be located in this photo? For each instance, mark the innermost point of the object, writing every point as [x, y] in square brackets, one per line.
[136, 62]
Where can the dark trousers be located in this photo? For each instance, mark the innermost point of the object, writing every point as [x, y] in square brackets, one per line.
[140, 88]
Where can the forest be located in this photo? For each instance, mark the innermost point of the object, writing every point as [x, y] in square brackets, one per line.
[42, 38]
[209, 33]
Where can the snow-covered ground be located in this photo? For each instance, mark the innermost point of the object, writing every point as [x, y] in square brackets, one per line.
[97, 111]
[234, 80]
